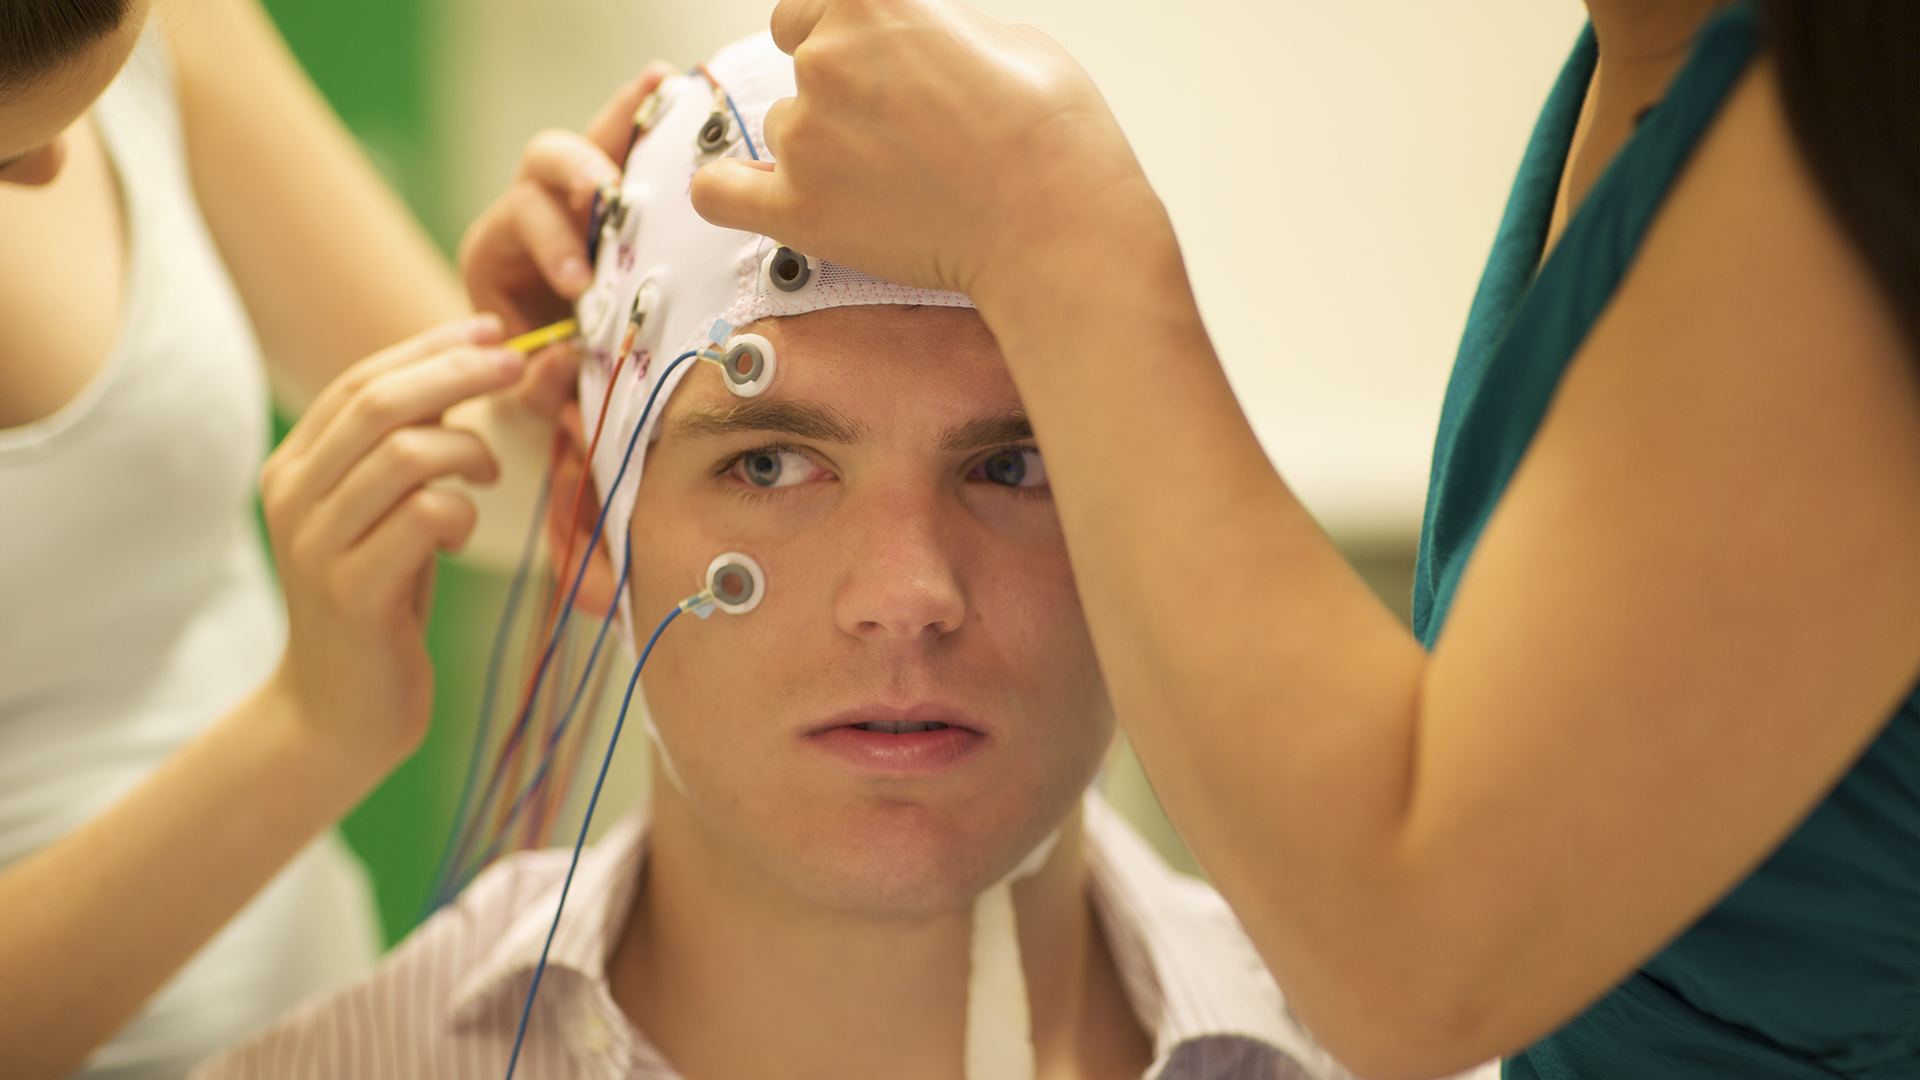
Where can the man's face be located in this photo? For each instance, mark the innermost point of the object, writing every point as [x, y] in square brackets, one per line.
[917, 577]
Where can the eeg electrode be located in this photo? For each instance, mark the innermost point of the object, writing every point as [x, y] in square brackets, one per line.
[748, 364]
[735, 584]
[786, 270]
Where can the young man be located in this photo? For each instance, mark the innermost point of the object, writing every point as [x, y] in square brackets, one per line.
[850, 776]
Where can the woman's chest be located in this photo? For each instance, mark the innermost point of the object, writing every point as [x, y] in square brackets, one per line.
[62, 281]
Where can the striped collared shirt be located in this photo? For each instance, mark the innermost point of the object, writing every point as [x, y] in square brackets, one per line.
[447, 1002]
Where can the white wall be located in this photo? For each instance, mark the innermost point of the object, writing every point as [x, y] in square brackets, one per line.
[1335, 170]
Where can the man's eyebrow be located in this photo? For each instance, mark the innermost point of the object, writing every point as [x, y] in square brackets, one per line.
[801, 419]
[996, 430]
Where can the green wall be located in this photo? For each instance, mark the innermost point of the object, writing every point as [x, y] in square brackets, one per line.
[371, 59]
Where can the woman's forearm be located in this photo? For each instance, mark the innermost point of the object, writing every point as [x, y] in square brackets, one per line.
[331, 264]
[1271, 695]
[94, 923]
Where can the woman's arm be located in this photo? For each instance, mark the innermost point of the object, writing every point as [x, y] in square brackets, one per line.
[1697, 603]
[92, 924]
[330, 263]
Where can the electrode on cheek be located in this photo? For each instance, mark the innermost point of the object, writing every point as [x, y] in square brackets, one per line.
[735, 584]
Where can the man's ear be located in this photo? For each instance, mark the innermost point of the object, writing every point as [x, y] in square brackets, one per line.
[573, 505]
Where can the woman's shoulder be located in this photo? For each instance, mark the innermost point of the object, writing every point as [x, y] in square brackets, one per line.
[1747, 225]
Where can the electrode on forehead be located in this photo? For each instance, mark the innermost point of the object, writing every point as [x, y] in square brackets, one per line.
[748, 364]
[787, 271]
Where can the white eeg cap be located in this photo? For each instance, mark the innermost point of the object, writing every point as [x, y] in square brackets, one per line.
[692, 273]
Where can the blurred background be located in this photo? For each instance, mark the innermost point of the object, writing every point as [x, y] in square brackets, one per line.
[1335, 171]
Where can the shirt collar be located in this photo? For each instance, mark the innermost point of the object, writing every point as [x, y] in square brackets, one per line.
[1188, 969]
[596, 911]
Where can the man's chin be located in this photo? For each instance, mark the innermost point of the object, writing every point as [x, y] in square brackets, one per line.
[905, 862]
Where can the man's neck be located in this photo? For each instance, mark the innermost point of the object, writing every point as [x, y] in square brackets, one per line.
[732, 976]
[1643, 44]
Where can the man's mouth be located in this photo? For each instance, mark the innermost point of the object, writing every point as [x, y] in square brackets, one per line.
[900, 727]
[921, 740]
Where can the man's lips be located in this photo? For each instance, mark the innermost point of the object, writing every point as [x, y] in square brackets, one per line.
[920, 741]
[887, 720]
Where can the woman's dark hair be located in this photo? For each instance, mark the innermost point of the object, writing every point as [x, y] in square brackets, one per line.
[37, 36]
[1850, 81]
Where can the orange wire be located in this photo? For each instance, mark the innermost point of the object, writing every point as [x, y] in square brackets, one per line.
[515, 739]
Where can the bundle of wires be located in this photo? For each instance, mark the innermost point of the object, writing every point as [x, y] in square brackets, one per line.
[528, 744]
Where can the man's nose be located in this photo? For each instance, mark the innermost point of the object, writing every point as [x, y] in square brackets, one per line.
[899, 579]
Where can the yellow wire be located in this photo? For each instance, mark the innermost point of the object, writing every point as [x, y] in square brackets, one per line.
[534, 340]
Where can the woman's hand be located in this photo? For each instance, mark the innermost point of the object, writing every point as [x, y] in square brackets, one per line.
[356, 522]
[525, 257]
[931, 146]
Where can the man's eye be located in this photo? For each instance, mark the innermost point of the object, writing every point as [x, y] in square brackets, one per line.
[1016, 468]
[774, 467]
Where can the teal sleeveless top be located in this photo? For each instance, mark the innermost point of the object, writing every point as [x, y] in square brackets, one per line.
[1810, 968]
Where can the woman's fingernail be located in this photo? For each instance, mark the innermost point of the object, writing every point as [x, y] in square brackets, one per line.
[484, 325]
[509, 361]
[575, 275]
[594, 175]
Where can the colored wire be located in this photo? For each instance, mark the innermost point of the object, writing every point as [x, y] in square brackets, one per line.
[560, 730]
[586, 821]
[490, 689]
[468, 835]
[553, 625]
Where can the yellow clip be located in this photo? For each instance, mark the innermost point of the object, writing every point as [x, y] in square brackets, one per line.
[535, 340]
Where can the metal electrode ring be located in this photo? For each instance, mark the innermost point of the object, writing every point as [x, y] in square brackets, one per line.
[736, 583]
[644, 301]
[748, 364]
[787, 271]
[713, 134]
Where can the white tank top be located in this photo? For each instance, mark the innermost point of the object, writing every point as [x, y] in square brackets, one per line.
[136, 605]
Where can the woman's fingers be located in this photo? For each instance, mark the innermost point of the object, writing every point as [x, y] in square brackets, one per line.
[569, 166]
[381, 573]
[404, 461]
[481, 329]
[525, 256]
[551, 382]
[793, 20]
[927, 141]
[397, 398]
[552, 236]
[611, 129]
[752, 195]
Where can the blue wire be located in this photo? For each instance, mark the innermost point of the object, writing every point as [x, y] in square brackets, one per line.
[559, 731]
[566, 611]
[441, 894]
[541, 969]
[745, 135]
[625, 702]
[737, 118]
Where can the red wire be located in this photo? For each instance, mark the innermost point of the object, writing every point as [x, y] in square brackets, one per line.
[516, 737]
